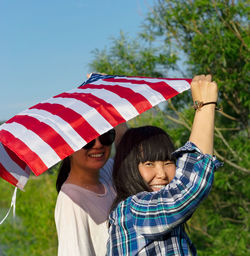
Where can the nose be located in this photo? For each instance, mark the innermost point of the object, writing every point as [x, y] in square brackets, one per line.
[97, 144]
[161, 172]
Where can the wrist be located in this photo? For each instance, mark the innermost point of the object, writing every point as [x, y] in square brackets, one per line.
[200, 104]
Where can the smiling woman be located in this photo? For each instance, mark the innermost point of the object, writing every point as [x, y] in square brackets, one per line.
[85, 196]
[158, 188]
[86, 163]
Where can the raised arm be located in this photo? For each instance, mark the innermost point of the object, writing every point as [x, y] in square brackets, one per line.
[202, 135]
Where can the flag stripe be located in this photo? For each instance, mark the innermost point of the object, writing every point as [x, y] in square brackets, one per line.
[134, 98]
[84, 111]
[34, 153]
[5, 174]
[105, 109]
[179, 84]
[17, 171]
[162, 87]
[24, 152]
[41, 136]
[13, 157]
[63, 128]
[46, 133]
[146, 91]
[124, 107]
[78, 123]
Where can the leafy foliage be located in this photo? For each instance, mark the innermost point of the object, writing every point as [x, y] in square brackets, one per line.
[128, 57]
[194, 37]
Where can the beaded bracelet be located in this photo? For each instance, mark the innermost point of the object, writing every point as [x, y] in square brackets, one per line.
[200, 104]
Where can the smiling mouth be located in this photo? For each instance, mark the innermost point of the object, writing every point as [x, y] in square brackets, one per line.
[157, 187]
[96, 155]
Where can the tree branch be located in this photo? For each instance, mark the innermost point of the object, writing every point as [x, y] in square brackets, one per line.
[233, 27]
[177, 121]
[223, 159]
[236, 109]
[237, 33]
[229, 129]
[201, 230]
[226, 143]
[233, 220]
[182, 121]
[228, 116]
[180, 115]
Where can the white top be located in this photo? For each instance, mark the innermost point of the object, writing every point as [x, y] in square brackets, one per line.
[81, 217]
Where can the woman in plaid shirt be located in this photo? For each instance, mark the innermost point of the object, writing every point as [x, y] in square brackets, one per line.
[158, 189]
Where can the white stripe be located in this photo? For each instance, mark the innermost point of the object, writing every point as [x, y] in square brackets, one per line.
[178, 85]
[73, 139]
[28, 137]
[94, 118]
[22, 182]
[13, 168]
[151, 95]
[124, 107]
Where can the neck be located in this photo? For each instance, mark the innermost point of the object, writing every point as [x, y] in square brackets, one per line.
[87, 180]
[84, 177]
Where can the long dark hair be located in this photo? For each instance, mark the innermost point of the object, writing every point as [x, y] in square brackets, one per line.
[63, 173]
[147, 143]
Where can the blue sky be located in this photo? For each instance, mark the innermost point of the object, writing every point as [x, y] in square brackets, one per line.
[46, 45]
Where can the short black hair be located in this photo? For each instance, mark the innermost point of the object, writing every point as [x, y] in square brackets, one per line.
[146, 143]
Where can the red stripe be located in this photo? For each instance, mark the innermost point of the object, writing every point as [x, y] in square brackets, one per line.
[140, 103]
[7, 176]
[23, 151]
[189, 80]
[161, 87]
[106, 109]
[16, 159]
[77, 122]
[46, 133]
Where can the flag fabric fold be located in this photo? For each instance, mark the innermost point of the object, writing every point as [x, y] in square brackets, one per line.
[41, 136]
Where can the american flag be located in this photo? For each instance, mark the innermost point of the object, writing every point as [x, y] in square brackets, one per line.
[41, 136]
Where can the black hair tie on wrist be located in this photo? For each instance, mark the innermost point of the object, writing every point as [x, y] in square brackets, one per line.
[200, 104]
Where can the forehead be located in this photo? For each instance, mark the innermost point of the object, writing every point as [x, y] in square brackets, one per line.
[153, 151]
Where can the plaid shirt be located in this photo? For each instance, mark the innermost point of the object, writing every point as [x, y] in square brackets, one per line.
[151, 223]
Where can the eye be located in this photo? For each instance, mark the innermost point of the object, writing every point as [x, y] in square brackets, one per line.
[168, 162]
[148, 163]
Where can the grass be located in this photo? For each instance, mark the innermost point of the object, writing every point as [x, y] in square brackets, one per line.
[33, 230]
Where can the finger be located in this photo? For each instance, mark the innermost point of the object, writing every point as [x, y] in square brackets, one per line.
[214, 84]
[208, 78]
[202, 77]
[196, 78]
[194, 83]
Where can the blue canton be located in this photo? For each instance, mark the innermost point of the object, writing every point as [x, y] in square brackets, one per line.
[94, 77]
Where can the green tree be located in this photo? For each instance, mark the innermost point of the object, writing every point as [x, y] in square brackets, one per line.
[194, 37]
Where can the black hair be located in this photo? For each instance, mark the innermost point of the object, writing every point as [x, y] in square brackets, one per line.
[63, 173]
[146, 143]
